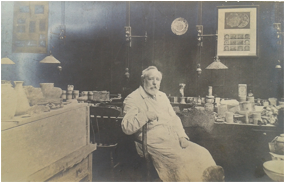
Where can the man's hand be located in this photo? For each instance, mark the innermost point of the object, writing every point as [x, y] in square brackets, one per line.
[183, 142]
[151, 116]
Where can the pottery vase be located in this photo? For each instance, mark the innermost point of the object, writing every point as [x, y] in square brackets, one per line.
[49, 91]
[22, 102]
[8, 101]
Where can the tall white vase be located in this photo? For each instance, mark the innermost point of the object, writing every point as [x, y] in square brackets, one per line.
[22, 103]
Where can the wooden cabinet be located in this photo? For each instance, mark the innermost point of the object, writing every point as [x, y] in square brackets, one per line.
[52, 146]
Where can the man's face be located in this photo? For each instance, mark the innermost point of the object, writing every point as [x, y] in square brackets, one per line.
[151, 83]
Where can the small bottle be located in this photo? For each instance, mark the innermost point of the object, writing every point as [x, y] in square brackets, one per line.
[210, 89]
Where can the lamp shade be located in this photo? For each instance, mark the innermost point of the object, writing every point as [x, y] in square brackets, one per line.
[7, 60]
[50, 60]
[217, 64]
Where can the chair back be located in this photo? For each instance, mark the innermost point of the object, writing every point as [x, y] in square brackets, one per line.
[105, 128]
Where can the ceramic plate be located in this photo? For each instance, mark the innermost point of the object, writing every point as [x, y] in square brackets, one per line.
[179, 26]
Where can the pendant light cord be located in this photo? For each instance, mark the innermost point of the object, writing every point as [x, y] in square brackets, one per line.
[63, 13]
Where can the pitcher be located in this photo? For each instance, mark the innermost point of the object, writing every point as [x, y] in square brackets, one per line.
[22, 103]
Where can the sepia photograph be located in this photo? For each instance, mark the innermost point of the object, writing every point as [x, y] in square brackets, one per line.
[142, 91]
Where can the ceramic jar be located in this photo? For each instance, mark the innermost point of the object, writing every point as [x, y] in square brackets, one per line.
[250, 99]
[229, 117]
[90, 95]
[8, 101]
[22, 102]
[209, 100]
[84, 95]
[222, 109]
[69, 94]
[256, 117]
[75, 94]
[63, 95]
[70, 87]
[49, 91]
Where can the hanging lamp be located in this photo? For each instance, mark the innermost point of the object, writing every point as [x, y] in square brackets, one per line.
[50, 60]
[217, 64]
[6, 60]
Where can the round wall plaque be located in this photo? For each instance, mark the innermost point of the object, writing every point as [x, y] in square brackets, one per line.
[179, 26]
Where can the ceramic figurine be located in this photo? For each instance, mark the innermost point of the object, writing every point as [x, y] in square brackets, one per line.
[181, 89]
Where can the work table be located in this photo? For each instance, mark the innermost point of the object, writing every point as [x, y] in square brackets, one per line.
[51, 146]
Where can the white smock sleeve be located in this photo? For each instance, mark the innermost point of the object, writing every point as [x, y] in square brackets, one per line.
[134, 118]
[177, 121]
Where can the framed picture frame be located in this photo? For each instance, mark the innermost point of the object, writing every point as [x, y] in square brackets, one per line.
[237, 31]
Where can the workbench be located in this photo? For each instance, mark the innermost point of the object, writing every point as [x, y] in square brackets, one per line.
[51, 146]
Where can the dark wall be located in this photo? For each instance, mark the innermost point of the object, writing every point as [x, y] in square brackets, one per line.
[94, 54]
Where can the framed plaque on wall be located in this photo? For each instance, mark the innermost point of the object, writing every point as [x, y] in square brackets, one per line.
[30, 27]
[237, 31]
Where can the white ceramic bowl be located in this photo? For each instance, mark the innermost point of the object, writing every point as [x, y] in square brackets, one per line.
[276, 156]
[275, 170]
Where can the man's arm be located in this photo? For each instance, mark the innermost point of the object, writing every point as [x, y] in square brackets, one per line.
[134, 119]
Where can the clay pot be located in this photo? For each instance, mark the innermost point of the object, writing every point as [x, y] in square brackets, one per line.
[49, 91]
[9, 100]
[33, 94]
[222, 109]
[256, 117]
[209, 100]
[229, 117]
[22, 102]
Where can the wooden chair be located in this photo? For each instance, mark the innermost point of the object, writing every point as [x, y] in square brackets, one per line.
[150, 173]
[145, 153]
[105, 129]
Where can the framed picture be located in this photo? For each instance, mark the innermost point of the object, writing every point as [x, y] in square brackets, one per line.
[30, 27]
[237, 31]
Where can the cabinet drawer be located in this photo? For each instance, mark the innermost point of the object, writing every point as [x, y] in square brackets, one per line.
[73, 174]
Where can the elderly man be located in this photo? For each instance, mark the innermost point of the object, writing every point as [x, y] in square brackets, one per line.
[175, 158]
